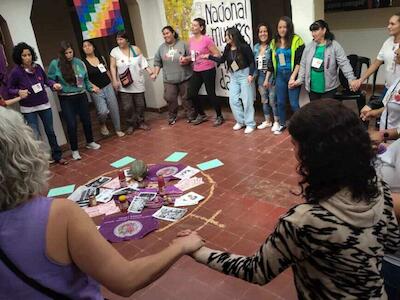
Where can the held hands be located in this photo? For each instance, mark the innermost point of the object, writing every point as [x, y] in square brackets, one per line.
[267, 84]
[205, 56]
[57, 87]
[184, 60]
[364, 112]
[355, 85]
[96, 89]
[250, 79]
[293, 83]
[116, 85]
[188, 241]
[153, 76]
[376, 137]
[23, 93]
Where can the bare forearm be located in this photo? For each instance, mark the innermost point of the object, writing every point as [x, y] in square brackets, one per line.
[157, 70]
[13, 101]
[142, 271]
[375, 65]
[295, 72]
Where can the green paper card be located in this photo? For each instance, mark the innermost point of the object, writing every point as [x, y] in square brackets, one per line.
[62, 190]
[122, 162]
[176, 156]
[211, 164]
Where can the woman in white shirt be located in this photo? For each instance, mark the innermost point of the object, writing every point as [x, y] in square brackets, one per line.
[385, 56]
[127, 64]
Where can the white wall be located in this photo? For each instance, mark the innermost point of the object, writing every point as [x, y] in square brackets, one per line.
[361, 32]
[17, 15]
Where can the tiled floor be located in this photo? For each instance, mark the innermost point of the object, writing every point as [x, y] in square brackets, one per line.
[248, 194]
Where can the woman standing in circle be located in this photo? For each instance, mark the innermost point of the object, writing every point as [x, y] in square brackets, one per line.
[320, 61]
[176, 76]
[71, 73]
[28, 81]
[240, 60]
[203, 71]
[104, 99]
[263, 58]
[127, 64]
[287, 48]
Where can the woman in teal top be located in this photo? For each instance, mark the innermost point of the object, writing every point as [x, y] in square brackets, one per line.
[71, 73]
[320, 61]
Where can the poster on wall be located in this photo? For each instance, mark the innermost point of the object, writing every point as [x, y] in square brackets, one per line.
[219, 15]
[99, 18]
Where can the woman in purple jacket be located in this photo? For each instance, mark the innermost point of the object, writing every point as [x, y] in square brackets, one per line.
[28, 81]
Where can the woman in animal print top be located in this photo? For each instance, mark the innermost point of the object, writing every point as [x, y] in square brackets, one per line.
[336, 240]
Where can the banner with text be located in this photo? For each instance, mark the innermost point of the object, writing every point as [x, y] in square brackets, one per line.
[220, 15]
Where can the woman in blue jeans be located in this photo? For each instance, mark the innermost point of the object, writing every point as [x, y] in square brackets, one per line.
[104, 98]
[262, 56]
[287, 48]
[240, 61]
[28, 81]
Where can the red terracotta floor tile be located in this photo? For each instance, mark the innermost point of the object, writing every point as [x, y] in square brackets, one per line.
[252, 190]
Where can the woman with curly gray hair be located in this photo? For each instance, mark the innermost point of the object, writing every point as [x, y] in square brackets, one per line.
[50, 247]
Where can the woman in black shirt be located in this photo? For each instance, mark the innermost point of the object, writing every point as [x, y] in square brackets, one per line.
[240, 61]
[103, 93]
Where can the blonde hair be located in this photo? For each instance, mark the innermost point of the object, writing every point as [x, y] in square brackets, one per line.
[24, 167]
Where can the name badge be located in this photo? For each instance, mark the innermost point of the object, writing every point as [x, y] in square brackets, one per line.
[102, 68]
[37, 88]
[234, 66]
[79, 81]
[260, 62]
[316, 62]
[171, 53]
[193, 55]
[281, 58]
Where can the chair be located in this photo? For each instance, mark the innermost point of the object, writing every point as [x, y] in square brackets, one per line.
[357, 63]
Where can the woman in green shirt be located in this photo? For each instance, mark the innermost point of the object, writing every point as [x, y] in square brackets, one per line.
[319, 63]
[71, 73]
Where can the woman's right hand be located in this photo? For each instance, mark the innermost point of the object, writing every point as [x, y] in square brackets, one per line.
[364, 111]
[188, 241]
[266, 84]
[116, 85]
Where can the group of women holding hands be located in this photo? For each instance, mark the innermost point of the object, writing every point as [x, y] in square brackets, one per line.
[278, 65]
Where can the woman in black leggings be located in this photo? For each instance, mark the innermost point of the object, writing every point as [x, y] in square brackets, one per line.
[203, 71]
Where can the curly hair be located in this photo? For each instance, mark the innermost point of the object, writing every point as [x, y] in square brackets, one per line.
[23, 164]
[334, 151]
[17, 52]
[66, 68]
[268, 30]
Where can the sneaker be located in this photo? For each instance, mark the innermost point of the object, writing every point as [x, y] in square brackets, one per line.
[280, 130]
[264, 125]
[93, 146]
[200, 119]
[275, 127]
[120, 133]
[237, 126]
[219, 121]
[130, 130]
[249, 129]
[104, 130]
[76, 155]
[144, 126]
[190, 120]
[63, 161]
[172, 121]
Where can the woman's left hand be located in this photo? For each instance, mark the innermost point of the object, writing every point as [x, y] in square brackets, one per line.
[57, 87]
[250, 79]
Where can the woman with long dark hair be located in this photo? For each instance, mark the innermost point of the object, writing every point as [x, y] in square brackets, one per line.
[71, 73]
[100, 78]
[287, 48]
[320, 61]
[176, 75]
[335, 242]
[240, 61]
[28, 80]
[203, 71]
[263, 58]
